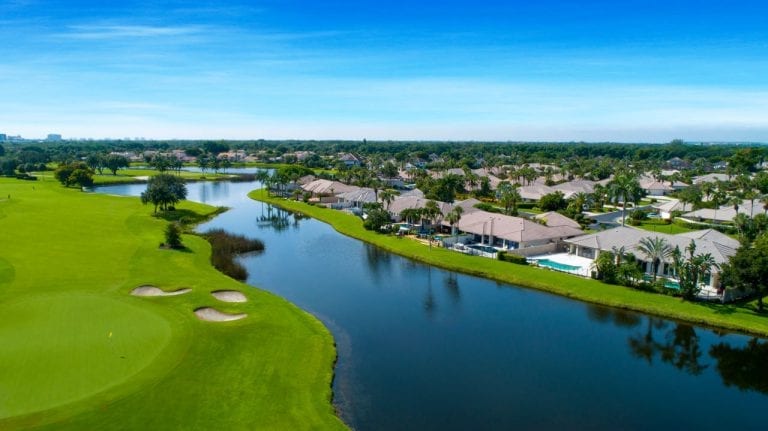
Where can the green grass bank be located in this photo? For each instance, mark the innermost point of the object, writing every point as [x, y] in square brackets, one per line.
[736, 317]
[79, 352]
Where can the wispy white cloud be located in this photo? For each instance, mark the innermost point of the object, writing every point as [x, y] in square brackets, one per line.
[99, 32]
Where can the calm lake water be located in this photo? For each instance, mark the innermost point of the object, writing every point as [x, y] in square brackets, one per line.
[421, 348]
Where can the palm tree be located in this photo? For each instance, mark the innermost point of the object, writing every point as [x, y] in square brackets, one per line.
[431, 212]
[599, 193]
[702, 265]
[735, 201]
[623, 188]
[453, 217]
[509, 197]
[410, 214]
[619, 252]
[741, 221]
[387, 196]
[655, 249]
[718, 197]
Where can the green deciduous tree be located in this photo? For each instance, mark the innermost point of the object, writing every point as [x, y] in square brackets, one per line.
[553, 202]
[748, 268]
[164, 190]
[114, 162]
[77, 173]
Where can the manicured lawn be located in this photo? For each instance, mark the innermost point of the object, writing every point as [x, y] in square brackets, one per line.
[736, 317]
[79, 352]
[129, 175]
[137, 175]
[672, 229]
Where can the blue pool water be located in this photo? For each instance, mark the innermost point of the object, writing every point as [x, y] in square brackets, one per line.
[557, 265]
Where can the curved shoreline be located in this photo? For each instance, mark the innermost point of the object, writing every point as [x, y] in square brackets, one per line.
[730, 316]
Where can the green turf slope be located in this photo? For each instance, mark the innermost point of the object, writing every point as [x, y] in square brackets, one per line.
[79, 352]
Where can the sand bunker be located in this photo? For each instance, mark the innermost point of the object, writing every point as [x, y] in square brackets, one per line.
[214, 315]
[229, 296]
[155, 291]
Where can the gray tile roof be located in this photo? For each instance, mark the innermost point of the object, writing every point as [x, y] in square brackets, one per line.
[720, 246]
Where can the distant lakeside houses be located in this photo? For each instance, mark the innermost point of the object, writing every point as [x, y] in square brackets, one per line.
[543, 237]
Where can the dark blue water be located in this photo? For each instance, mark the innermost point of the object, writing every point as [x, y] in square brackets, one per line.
[426, 349]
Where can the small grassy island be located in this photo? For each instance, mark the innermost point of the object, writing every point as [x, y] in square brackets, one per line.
[102, 328]
[735, 316]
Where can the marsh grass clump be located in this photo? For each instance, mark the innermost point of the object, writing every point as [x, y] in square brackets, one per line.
[226, 246]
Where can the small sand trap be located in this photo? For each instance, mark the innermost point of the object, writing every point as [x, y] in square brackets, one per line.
[229, 296]
[155, 291]
[214, 315]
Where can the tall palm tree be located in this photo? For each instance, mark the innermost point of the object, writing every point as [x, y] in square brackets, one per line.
[718, 198]
[599, 193]
[623, 188]
[655, 249]
[741, 221]
[453, 217]
[509, 197]
[431, 212]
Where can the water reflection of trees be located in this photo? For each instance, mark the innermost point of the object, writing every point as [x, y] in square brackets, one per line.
[277, 219]
[678, 346]
[743, 367]
[621, 318]
[451, 284]
[378, 260]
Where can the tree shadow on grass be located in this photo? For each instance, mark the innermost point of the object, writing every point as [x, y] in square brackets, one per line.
[187, 216]
[747, 304]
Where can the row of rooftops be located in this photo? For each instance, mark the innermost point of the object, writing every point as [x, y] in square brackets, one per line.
[550, 226]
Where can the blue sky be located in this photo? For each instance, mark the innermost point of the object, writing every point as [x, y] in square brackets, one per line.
[629, 70]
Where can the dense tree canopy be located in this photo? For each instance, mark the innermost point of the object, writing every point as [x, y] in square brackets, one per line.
[748, 268]
[77, 173]
[163, 191]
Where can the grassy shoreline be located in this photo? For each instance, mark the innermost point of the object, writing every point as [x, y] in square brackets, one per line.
[88, 355]
[740, 318]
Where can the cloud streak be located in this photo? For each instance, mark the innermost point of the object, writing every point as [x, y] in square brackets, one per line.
[105, 32]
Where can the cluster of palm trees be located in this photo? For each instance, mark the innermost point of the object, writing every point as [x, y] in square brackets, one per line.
[624, 188]
[431, 214]
[690, 269]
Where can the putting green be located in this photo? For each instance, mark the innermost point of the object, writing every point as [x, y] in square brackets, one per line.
[81, 356]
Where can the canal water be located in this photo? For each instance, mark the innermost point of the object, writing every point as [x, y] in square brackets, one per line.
[422, 348]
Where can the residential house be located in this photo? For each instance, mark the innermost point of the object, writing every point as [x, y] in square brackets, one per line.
[721, 247]
[349, 159]
[505, 232]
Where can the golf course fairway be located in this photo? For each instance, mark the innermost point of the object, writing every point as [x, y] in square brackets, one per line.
[79, 351]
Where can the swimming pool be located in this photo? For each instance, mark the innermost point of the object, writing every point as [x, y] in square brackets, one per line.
[557, 265]
[483, 248]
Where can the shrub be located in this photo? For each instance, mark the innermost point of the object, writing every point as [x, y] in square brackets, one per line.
[639, 215]
[376, 219]
[173, 236]
[487, 207]
[512, 258]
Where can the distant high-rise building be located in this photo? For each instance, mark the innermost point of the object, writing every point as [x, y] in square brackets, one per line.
[53, 137]
[3, 137]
